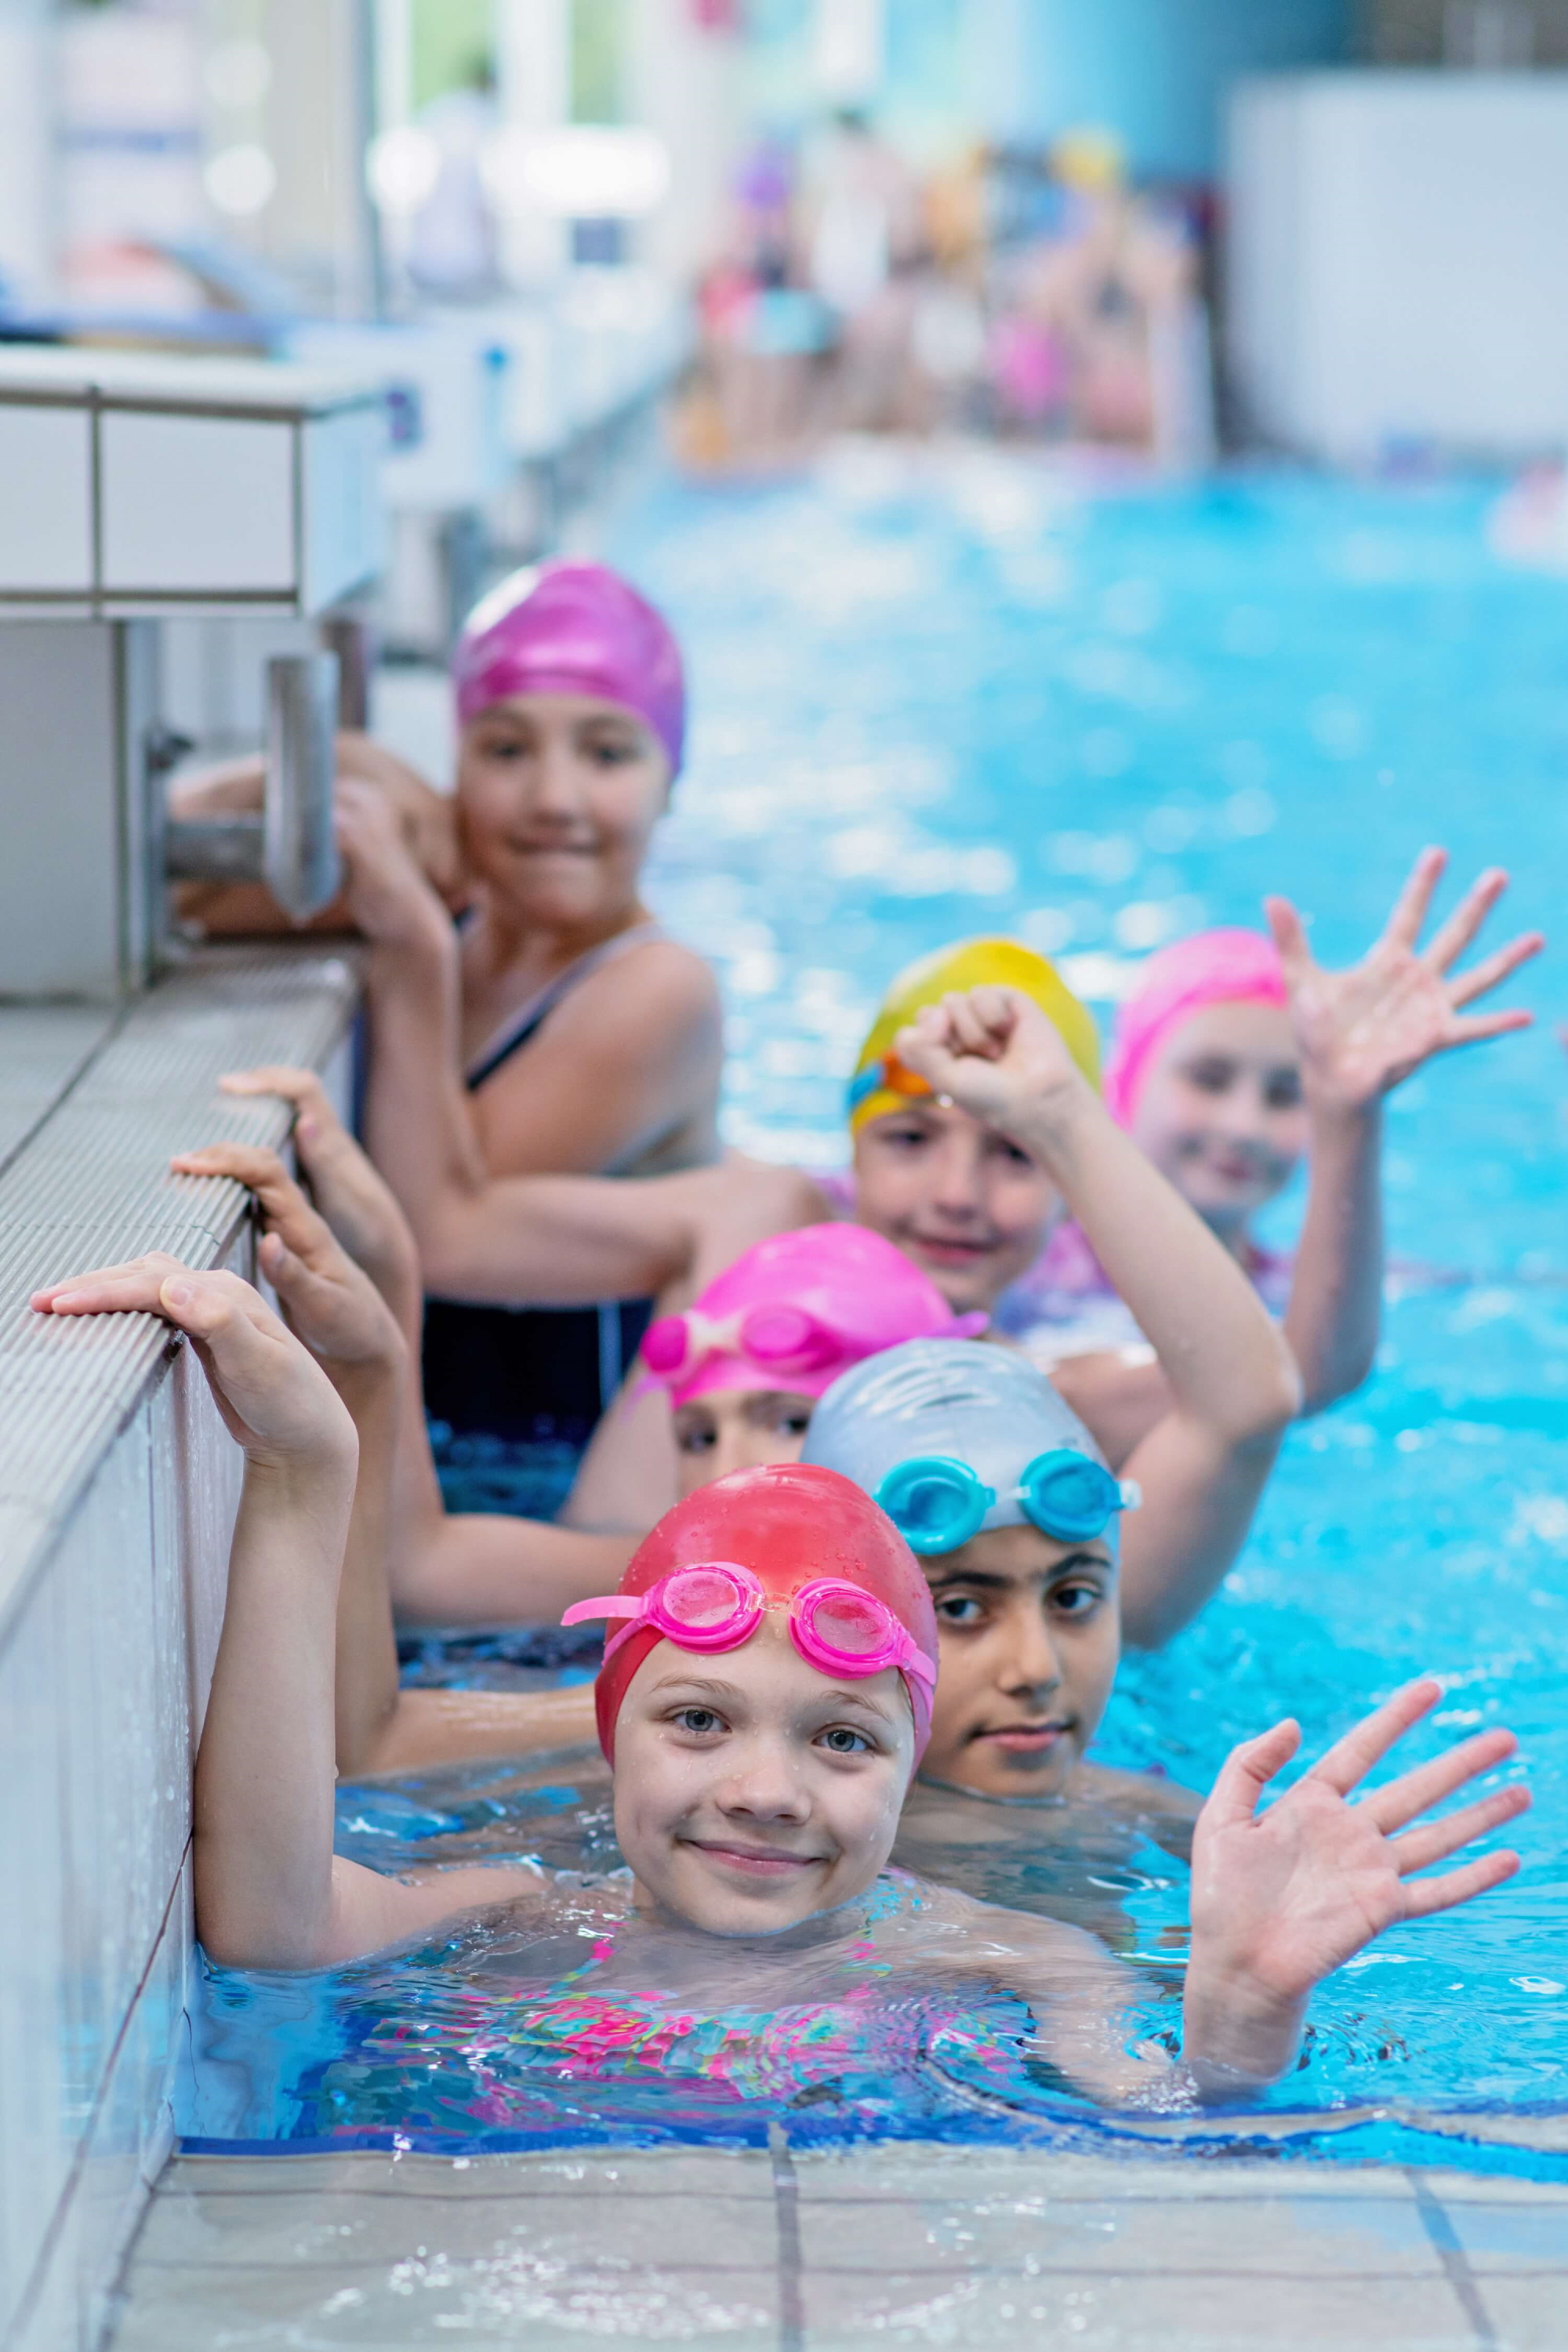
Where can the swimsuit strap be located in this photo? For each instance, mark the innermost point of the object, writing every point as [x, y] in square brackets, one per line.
[525, 1024]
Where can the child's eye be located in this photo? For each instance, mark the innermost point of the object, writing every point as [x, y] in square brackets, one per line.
[959, 1609]
[1210, 1078]
[699, 1721]
[697, 1441]
[1283, 1090]
[1077, 1599]
[842, 1741]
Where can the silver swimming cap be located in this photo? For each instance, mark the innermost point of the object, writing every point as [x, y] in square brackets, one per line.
[981, 1404]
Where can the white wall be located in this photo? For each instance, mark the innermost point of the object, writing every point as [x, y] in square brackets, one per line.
[1397, 261]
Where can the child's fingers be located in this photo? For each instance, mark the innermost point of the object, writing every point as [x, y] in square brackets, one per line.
[1349, 1760]
[127, 1289]
[1493, 970]
[283, 1202]
[923, 1049]
[968, 1027]
[1414, 902]
[1425, 1896]
[1474, 1028]
[1454, 936]
[1289, 936]
[1418, 1848]
[314, 1301]
[1246, 1772]
[274, 1078]
[1416, 1792]
[997, 1008]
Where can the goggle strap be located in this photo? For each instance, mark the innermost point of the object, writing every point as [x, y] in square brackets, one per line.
[605, 1604]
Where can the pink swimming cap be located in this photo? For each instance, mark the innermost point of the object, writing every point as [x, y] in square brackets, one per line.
[573, 628]
[794, 1311]
[1227, 967]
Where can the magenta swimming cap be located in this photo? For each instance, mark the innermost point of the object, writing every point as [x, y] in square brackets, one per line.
[794, 1311]
[1228, 967]
[573, 628]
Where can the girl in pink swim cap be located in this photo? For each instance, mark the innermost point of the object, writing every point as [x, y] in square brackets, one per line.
[744, 1365]
[574, 1036]
[1235, 1056]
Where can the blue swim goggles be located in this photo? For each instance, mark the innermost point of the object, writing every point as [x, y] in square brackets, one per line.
[937, 1504]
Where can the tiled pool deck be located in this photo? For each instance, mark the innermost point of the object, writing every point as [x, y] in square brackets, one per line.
[774, 2252]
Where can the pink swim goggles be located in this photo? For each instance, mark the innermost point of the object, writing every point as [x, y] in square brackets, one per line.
[717, 1604]
[781, 1338]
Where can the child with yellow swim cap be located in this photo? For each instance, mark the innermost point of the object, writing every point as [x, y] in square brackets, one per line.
[966, 1183]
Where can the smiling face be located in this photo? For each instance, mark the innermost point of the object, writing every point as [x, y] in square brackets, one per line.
[557, 797]
[1030, 1635]
[964, 1204]
[1220, 1111]
[737, 1429]
[752, 1792]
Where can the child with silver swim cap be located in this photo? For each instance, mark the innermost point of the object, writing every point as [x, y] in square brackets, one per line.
[1005, 1498]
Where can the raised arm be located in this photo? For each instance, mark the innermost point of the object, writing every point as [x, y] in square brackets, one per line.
[1232, 1383]
[405, 1551]
[270, 1892]
[557, 1241]
[1283, 1898]
[1280, 1899]
[1360, 1034]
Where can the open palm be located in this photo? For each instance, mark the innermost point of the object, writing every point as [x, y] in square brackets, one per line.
[1363, 1030]
[1282, 1898]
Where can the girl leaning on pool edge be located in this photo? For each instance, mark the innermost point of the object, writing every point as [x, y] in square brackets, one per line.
[763, 1711]
[583, 1037]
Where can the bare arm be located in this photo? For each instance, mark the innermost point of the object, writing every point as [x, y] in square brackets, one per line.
[270, 1892]
[1280, 1899]
[442, 1570]
[1362, 1032]
[456, 1726]
[1233, 1384]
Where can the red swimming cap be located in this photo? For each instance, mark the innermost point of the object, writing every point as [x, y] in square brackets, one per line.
[789, 1523]
[573, 628]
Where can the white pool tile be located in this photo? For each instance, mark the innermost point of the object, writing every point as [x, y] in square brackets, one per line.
[572, 2231]
[1517, 2234]
[1264, 2235]
[1527, 2314]
[1099, 2314]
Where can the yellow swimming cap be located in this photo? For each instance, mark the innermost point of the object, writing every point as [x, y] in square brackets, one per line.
[972, 964]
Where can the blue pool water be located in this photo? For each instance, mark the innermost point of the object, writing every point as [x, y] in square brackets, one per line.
[966, 695]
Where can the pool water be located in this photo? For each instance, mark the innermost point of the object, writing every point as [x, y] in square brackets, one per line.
[965, 692]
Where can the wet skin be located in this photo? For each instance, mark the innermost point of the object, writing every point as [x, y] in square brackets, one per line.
[1221, 1113]
[1030, 1636]
[752, 1793]
[737, 1429]
[967, 1206]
